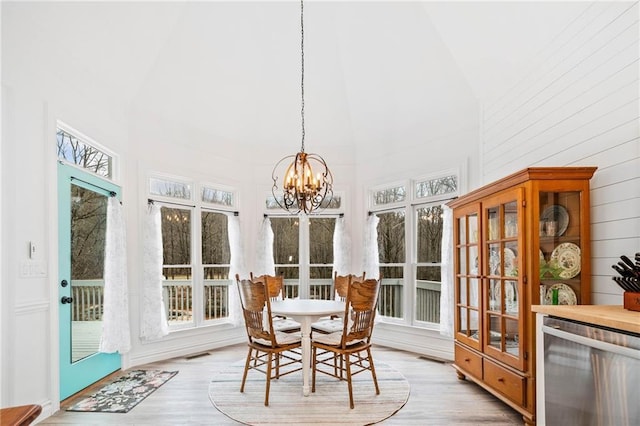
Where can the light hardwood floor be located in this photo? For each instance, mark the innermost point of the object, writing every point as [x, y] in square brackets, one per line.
[437, 397]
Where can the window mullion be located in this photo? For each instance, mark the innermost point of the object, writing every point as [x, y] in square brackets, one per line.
[303, 284]
[197, 267]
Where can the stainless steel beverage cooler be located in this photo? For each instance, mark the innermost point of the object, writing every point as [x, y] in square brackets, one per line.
[591, 375]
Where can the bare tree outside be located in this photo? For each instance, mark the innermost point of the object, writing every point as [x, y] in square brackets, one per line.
[429, 241]
[88, 230]
[215, 245]
[321, 246]
[286, 250]
[75, 151]
[176, 242]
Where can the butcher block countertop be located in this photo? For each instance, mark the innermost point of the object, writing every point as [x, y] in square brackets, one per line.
[612, 316]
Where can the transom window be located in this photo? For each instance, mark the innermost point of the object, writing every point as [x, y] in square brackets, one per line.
[75, 148]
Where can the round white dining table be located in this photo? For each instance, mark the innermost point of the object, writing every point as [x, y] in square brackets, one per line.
[306, 312]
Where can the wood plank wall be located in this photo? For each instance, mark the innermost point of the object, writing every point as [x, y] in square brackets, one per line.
[578, 104]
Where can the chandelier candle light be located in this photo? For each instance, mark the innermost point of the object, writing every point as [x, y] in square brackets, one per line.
[302, 189]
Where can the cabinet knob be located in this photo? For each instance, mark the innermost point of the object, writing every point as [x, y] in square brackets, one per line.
[501, 379]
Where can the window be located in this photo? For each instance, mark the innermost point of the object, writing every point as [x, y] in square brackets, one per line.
[389, 196]
[169, 188]
[217, 196]
[303, 252]
[410, 250]
[216, 259]
[77, 149]
[286, 251]
[428, 249]
[391, 249]
[303, 248]
[196, 252]
[177, 269]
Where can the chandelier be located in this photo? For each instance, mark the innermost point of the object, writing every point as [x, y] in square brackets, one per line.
[306, 184]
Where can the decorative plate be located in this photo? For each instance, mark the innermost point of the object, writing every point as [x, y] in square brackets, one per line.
[511, 297]
[509, 259]
[510, 263]
[494, 262]
[558, 214]
[566, 258]
[566, 295]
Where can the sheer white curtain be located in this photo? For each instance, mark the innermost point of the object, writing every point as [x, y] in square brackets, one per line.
[116, 336]
[341, 249]
[237, 267]
[153, 318]
[446, 274]
[371, 259]
[264, 256]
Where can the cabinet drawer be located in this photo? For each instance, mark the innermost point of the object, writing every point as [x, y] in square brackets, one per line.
[506, 382]
[469, 361]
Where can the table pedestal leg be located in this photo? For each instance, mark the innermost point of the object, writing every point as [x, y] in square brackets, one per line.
[305, 328]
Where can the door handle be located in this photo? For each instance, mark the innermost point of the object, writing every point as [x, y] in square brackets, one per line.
[66, 299]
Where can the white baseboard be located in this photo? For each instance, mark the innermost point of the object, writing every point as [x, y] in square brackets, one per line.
[429, 343]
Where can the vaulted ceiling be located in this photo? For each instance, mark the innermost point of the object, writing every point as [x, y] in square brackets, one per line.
[375, 71]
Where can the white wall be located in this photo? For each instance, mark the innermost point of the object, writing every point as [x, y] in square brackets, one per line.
[578, 105]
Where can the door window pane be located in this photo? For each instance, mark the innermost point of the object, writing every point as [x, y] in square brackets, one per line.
[88, 232]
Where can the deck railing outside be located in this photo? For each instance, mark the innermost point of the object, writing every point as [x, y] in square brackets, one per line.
[88, 296]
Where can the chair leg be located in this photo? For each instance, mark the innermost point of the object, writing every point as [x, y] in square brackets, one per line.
[246, 369]
[348, 367]
[373, 371]
[266, 394]
[313, 369]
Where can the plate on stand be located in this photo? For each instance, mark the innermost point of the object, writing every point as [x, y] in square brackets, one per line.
[566, 258]
[566, 295]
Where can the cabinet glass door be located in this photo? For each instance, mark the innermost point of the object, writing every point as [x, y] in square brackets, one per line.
[560, 250]
[467, 287]
[501, 278]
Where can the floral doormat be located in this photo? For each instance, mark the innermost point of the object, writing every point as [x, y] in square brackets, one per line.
[125, 393]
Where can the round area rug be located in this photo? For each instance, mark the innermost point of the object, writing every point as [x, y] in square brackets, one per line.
[329, 404]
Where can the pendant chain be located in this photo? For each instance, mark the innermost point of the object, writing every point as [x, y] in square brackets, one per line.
[302, 67]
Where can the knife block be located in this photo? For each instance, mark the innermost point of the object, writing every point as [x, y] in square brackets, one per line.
[631, 301]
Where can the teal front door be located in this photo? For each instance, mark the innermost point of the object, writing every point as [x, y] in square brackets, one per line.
[82, 213]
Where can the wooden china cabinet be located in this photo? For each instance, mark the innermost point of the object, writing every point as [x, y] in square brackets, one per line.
[520, 241]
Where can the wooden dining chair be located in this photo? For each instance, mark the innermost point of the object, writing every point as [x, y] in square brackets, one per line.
[275, 287]
[266, 345]
[340, 286]
[346, 353]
